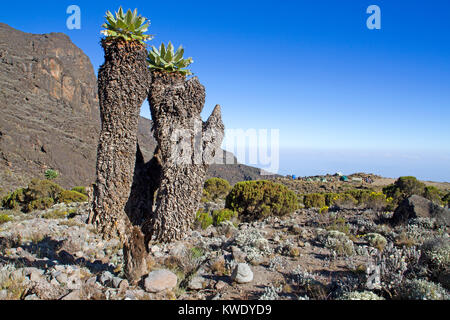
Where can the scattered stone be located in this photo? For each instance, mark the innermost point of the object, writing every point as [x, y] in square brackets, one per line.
[120, 283]
[178, 250]
[296, 229]
[220, 285]
[134, 294]
[3, 294]
[106, 278]
[155, 249]
[238, 254]
[242, 273]
[62, 278]
[32, 297]
[160, 280]
[74, 282]
[91, 281]
[197, 283]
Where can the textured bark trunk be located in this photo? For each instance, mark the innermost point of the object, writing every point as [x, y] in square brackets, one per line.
[186, 148]
[123, 83]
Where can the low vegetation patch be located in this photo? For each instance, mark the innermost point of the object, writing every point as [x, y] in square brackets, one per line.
[215, 188]
[314, 200]
[4, 218]
[40, 195]
[67, 196]
[259, 199]
[81, 190]
[205, 219]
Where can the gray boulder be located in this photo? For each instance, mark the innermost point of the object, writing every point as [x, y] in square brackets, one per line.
[419, 207]
[242, 273]
[160, 280]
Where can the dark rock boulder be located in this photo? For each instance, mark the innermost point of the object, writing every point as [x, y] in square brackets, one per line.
[419, 207]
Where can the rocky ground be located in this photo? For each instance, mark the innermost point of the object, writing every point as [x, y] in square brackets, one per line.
[54, 254]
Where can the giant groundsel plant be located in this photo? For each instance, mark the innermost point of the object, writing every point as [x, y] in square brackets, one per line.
[166, 59]
[129, 26]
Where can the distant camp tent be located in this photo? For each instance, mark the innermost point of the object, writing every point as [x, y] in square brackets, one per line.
[309, 180]
[344, 178]
[339, 174]
[357, 179]
[294, 177]
[324, 180]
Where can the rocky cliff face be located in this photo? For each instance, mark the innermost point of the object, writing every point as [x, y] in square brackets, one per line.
[50, 113]
[49, 108]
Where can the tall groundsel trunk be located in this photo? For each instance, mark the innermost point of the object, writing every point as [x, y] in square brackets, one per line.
[186, 148]
[123, 83]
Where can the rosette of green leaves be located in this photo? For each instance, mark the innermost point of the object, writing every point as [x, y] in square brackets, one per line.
[166, 59]
[130, 26]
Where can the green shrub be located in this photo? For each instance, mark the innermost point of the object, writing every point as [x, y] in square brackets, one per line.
[67, 196]
[403, 188]
[203, 219]
[259, 199]
[314, 200]
[39, 195]
[55, 214]
[223, 215]
[51, 174]
[4, 218]
[433, 194]
[345, 200]
[446, 199]
[377, 201]
[330, 198]
[14, 199]
[196, 252]
[216, 188]
[38, 189]
[81, 190]
[40, 204]
[362, 196]
[324, 210]
[376, 240]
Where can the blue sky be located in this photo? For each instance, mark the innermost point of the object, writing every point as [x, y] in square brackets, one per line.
[345, 98]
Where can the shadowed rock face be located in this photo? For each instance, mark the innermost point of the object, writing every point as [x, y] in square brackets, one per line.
[49, 109]
[419, 207]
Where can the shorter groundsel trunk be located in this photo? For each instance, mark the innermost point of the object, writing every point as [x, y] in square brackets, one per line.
[186, 148]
